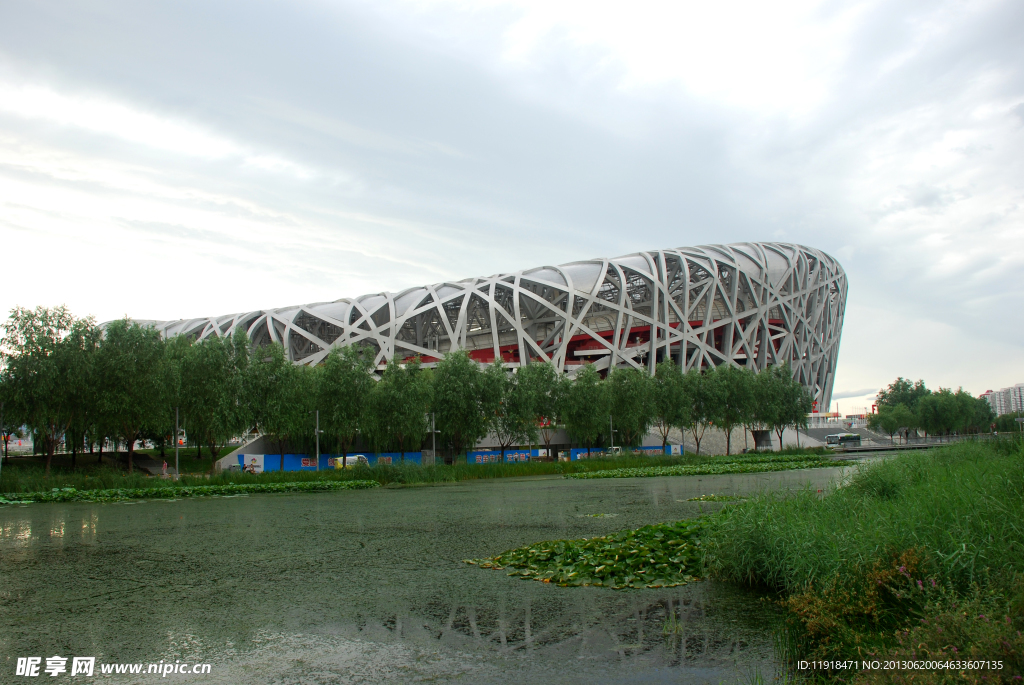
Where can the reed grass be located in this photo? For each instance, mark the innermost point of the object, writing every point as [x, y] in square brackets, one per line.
[921, 555]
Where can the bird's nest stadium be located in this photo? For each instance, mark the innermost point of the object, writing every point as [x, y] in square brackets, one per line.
[748, 304]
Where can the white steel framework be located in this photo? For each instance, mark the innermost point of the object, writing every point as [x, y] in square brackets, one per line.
[747, 304]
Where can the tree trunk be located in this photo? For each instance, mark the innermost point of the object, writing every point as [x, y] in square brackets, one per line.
[728, 442]
[131, 453]
[100, 460]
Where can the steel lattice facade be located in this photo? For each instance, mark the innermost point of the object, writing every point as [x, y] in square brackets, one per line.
[748, 304]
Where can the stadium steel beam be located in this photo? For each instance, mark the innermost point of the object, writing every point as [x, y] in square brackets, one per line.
[746, 304]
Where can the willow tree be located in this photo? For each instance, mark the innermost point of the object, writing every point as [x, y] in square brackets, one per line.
[396, 407]
[343, 389]
[631, 404]
[131, 380]
[47, 356]
[459, 401]
[671, 403]
[584, 406]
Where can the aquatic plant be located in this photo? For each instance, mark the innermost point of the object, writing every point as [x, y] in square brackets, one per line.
[661, 555]
[121, 494]
[706, 469]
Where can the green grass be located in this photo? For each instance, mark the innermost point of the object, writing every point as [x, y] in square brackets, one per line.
[917, 556]
[27, 474]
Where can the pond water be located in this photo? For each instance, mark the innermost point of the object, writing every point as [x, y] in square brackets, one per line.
[369, 586]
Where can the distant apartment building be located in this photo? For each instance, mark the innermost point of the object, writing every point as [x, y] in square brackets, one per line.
[1005, 401]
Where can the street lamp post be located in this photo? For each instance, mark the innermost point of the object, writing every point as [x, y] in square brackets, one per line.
[176, 472]
[318, 440]
[611, 431]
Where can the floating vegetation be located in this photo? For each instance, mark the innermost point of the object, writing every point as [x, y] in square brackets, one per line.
[171, 492]
[714, 498]
[661, 555]
[707, 469]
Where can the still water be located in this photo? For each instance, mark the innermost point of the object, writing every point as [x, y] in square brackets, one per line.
[369, 587]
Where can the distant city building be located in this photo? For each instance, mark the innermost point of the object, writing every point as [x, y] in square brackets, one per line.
[747, 304]
[1005, 401]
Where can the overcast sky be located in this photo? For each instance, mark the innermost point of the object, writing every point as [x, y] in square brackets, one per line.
[174, 159]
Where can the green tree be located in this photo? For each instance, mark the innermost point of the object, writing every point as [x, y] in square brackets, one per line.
[345, 384]
[585, 406]
[513, 418]
[704, 402]
[542, 384]
[735, 395]
[938, 412]
[888, 419]
[631, 404]
[279, 396]
[44, 354]
[458, 401]
[1007, 423]
[208, 381]
[130, 369]
[975, 414]
[397, 407]
[672, 405]
[902, 391]
[10, 422]
[84, 398]
[797, 402]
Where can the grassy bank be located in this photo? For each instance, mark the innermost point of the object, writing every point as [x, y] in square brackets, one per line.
[756, 463]
[27, 475]
[123, 494]
[920, 557]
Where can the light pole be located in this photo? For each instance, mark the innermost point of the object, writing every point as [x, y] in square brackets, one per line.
[176, 472]
[611, 431]
[433, 438]
[317, 412]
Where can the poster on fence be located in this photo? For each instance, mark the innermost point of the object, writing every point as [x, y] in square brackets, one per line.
[251, 463]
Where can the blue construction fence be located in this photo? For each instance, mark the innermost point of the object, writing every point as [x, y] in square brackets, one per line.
[512, 456]
[305, 462]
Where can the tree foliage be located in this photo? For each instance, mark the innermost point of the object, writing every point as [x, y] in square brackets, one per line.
[671, 404]
[632, 405]
[397, 407]
[512, 404]
[458, 401]
[584, 407]
[131, 380]
[542, 384]
[734, 389]
[48, 357]
[344, 386]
